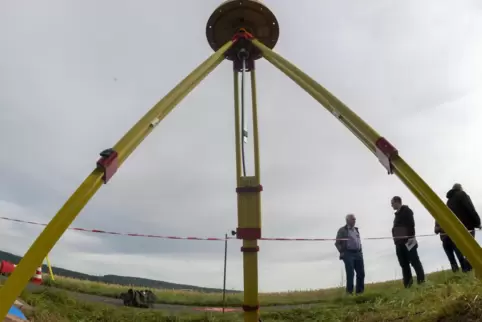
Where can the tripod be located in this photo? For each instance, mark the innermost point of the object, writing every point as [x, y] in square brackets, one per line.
[241, 31]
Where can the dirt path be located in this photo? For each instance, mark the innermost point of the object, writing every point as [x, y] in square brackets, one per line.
[165, 307]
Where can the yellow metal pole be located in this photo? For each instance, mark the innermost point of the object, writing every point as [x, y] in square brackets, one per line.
[442, 214]
[254, 103]
[322, 100]
[50, 268]
[141, 129]
[328, 100]
[61, 221]
[237, 128]
[250, 260]
[253, 219]
[249, 210]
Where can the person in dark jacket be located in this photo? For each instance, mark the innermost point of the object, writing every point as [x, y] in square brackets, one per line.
[461, 205]
[348, 244]
[451, 251]
[406, 245]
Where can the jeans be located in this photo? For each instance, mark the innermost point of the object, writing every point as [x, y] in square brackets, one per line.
[354, 264]
[406, 258]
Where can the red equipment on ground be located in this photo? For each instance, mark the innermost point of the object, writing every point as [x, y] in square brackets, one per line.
[7, 268]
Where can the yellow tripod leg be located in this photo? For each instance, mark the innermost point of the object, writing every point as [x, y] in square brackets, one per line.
[322, 96]
[387, 155]
[61, 221]
[51, 273]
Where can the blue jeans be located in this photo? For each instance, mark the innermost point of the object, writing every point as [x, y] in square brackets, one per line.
[354, 264]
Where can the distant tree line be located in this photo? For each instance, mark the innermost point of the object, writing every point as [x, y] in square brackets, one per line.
[114, 279]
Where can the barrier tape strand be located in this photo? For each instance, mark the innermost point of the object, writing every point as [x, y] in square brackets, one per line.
[98, 231]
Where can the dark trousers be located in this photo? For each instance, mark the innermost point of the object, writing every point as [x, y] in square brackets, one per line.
[406, 258]
[354, 264]
[464, 263]
[469, 267]
[451, 251]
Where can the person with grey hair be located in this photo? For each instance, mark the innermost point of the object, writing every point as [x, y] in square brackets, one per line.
[461, 205]
[349, 246]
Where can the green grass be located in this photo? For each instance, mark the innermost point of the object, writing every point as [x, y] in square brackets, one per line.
[193, 298]
[445, 297]
[57, 306]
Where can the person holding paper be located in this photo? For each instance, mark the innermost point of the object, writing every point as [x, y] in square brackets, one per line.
[406, 245]
[349, 246]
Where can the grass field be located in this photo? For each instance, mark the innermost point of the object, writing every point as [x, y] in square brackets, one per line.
[445, 297]
[193, 298]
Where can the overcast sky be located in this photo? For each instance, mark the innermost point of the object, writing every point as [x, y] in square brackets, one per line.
[76, 75]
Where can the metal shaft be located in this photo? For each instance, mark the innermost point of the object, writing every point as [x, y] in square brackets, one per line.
[224, 275]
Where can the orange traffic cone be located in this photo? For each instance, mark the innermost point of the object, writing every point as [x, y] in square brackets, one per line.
[37, 278]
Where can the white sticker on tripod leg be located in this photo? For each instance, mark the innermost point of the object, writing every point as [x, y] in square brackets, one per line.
[155, 122]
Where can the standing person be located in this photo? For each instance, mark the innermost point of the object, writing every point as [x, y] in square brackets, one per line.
[450, 249]
[406, 245]
[348, 244]
[461, 205]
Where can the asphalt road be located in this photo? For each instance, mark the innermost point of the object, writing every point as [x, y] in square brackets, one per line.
[165, 307]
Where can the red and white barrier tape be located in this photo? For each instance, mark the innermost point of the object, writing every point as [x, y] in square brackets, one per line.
[203, 238]
[113, 233]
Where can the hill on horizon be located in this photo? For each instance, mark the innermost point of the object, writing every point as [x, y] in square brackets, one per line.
[115, 279]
